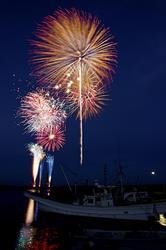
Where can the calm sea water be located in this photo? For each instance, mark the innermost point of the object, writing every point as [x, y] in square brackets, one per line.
[22, 226]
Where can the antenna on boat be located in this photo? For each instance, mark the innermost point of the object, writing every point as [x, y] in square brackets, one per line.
[68, 183]
[121, 175]
[105, 174]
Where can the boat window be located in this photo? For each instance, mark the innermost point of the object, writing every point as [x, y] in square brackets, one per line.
[141, 195]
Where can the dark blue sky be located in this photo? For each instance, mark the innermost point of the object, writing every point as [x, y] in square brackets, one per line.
[131, 128]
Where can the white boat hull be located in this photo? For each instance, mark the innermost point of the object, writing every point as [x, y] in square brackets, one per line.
[140, 212]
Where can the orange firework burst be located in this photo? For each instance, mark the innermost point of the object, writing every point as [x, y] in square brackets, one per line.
[68, 37]
[53, 140]
[73, 43]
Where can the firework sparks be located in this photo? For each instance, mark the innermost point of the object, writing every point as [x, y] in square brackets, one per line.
[93, 95]
[68, 37]
[53, 140]
[41, 172]
[73, 42]
[41, 112]
[38, 155]
[93, 99]
[50, 164]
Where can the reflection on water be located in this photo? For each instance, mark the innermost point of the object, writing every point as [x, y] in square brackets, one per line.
[36, 234]
[37, 238]
[25, 238]
[30, 212]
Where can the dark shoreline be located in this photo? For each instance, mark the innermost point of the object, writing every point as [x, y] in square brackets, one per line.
[158, 187]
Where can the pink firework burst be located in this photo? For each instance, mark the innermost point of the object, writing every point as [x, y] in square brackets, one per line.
[41, 112]
[93, 99]
[52, 140]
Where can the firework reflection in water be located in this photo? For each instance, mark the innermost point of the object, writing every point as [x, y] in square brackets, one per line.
[30, 238]
[30, 212]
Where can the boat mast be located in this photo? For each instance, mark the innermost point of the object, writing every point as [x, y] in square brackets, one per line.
[121, 174]
[105, 175]
[68, 183]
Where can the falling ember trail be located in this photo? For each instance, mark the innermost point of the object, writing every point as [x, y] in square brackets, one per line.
[80, 102]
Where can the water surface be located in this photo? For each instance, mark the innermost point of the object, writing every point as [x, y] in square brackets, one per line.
[23, 226]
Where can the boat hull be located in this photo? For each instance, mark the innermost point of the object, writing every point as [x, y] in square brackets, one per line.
[141, 212]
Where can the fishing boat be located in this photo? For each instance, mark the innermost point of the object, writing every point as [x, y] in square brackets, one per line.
[135, 206]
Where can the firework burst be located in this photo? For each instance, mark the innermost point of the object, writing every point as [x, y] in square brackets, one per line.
[53, 140]
[72, 43]
[68, 37]
[93, 100]
[41, 112]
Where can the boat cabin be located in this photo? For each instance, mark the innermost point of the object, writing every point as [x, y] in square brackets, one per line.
[135, 196]
[98, 199]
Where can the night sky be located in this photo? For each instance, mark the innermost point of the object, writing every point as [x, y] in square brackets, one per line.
[132, 126]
